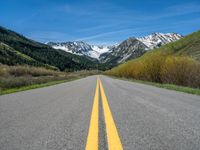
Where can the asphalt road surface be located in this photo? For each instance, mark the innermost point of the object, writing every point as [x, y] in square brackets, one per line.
[99, 114]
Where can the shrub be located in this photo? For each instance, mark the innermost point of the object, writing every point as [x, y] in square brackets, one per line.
[152, 67]
[19, 76]
[31, 71]
[3, 70]
[136, 70]
[161, 68]
[181, 71]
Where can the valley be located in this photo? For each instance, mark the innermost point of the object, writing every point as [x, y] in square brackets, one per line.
[142, 58]
[99, 75]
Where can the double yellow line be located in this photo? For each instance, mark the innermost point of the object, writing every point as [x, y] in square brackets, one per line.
[113, 139]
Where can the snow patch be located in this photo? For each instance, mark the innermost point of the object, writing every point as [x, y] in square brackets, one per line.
[155, 40]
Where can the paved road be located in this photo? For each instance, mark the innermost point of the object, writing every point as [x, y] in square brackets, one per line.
[59, 117]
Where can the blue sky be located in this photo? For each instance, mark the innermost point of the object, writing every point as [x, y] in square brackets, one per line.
[98, 22]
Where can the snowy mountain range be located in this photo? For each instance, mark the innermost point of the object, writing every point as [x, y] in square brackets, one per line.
[82, 48]
[118, 53]
[156, 39]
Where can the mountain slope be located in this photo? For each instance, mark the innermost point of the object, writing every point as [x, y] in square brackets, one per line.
[131, 48]
[42, 54]
[187, 46]
[12, 57]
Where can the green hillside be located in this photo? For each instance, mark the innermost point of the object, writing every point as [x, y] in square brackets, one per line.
[187, 46]
[10, 56]
[174, 63]
[17, 49]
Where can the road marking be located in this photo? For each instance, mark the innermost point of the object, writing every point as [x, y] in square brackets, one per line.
[114, 142]
[92, 139]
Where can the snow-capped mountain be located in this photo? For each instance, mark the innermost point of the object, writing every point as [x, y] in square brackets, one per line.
[81, 48]
[136, 47]
[156, 40]
[128, 49]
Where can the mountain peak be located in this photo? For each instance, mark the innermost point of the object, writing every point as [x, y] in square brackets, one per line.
[157, 39]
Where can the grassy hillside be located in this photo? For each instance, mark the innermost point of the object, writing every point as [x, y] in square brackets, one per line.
[17, 49]
[174, 63]
[187, 46]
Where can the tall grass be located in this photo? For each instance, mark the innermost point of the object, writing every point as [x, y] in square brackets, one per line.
[161, 68]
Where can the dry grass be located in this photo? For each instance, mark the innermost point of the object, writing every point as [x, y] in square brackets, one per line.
[20, 76]
[27, 71]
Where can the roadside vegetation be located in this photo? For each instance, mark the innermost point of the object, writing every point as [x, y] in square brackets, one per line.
[161, 68]
[16, 78]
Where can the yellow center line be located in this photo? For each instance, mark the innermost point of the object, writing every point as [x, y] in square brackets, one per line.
[92, 139]
[114, 142]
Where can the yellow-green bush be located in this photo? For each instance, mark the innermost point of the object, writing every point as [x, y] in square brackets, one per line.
[161, 68]
[152, 66]
[3, 70]
[181, 71]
